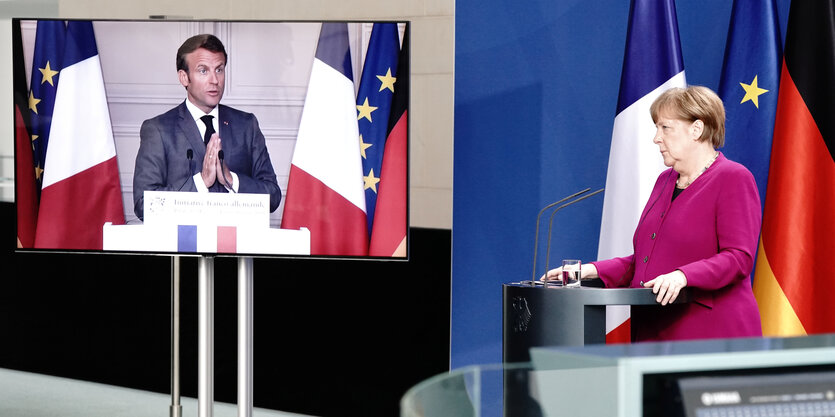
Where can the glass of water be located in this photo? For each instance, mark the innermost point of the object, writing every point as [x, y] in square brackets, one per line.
[571, 272]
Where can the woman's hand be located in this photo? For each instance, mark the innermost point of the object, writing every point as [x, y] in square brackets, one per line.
[667, 286]
[587, 271]
[554, 275]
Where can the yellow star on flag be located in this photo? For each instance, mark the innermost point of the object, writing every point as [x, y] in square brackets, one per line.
[364, 146]
[48, 73]
[365, 110]
[370, 181]
[387, 81]
[33, 102]
[752, 92]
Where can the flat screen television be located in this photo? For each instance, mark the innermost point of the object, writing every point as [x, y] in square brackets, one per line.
[111, 153]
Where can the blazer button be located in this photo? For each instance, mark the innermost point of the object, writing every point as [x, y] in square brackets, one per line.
[646, 258]
[652, 237]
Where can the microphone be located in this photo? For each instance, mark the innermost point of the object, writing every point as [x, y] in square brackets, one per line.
[222, 172]
[551, 224]
[189, 156]
[536, 235]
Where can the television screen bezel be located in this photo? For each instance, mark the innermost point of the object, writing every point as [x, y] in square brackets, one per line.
[405, 23]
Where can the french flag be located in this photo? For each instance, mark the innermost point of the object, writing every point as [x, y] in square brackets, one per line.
[325, 189]
[652, 63]
[80, 190]
[225, 239]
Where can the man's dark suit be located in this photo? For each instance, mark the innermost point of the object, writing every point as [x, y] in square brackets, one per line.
[161, 164]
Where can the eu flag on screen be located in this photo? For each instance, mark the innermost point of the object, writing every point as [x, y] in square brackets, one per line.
[47, 62]
[748, 87]
[377, 86]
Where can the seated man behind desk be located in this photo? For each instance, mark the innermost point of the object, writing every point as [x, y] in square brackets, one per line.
[177, 140]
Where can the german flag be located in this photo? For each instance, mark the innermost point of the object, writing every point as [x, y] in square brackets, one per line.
[794, 282]
[26, 186]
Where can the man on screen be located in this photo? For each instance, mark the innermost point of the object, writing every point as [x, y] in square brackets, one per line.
[226, 145]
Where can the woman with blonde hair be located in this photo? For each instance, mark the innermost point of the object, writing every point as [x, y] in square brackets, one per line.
[699, 229]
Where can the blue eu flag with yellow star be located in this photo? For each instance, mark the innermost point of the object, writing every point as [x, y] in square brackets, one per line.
[47, 61]
[749, 84]
[379, 76]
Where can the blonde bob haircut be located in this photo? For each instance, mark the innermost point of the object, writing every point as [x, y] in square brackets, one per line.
[691, 104]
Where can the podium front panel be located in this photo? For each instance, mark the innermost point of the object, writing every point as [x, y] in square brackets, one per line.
[538, 316]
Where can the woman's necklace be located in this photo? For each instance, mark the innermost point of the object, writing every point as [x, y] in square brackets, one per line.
[687, 184]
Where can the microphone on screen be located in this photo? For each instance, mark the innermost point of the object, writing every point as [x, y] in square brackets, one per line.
[189, 156]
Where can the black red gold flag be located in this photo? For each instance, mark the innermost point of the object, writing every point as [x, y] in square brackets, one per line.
[794, 284]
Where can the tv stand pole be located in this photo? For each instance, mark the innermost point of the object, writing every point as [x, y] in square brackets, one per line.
[205, 347]
[176, 409]
[205, 331]
[245, 316]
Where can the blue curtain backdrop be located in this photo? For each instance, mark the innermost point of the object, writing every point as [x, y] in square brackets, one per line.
[536, 87]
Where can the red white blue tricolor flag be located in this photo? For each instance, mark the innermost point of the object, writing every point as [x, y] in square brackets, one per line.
[80, 188]
[652, 63]
[325, 189]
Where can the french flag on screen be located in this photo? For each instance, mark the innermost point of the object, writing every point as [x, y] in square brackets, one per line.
[226, 239]
[80, 190]
[652, 63]
[325, 189]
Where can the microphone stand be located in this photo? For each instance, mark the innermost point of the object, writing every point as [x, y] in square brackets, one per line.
[536, 235]
[189, 156]
[551, 225]
[223, 174]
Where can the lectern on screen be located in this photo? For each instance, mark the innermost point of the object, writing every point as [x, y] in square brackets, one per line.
[320, 110]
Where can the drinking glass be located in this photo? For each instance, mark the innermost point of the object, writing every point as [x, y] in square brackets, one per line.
[571, 272]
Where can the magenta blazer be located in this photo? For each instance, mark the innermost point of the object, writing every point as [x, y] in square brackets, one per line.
[710, 233]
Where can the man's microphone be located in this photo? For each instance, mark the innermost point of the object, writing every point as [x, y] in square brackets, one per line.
[222, 172]
[190, 156]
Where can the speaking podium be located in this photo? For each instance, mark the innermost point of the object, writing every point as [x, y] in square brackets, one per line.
[540, 316]
[209, 224]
